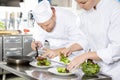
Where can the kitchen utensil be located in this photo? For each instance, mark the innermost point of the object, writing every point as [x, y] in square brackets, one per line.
[57, 62]
[36, 48]
[17, 60]
[19, 17]
[12, 21]
[36, 52]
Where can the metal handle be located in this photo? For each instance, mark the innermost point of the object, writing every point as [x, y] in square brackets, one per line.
[57, 62]
[36, 51]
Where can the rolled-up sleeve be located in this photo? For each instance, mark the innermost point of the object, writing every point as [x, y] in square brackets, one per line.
[38, 34]
[111, 53]
[77, 36]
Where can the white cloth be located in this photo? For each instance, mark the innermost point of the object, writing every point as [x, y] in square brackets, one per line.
[102, 27]
[65, 32]
[42, 11]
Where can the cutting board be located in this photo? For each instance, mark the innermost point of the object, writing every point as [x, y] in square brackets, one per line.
[9, 32]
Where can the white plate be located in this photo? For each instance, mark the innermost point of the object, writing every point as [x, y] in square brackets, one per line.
[34, 64]
[54, 71]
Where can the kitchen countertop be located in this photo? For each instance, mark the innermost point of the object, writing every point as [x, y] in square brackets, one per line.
[32, 73]
[13, 32]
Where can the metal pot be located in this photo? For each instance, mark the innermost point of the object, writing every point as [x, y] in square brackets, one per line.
[17, 60]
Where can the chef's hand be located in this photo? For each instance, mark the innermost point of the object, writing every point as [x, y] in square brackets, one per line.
[36, 44]
[75, 63]
[66, 52]
[49, 53]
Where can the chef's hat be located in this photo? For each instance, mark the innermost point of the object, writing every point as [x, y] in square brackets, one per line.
[42, 12]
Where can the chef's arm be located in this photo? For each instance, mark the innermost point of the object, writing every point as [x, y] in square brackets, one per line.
[36, 44]
[89, 55]
[68, 51]
[75, 47]
[92, 55]
[51, 53]
[58, 51]
[111, 53]
[38, 36]
[78, 40]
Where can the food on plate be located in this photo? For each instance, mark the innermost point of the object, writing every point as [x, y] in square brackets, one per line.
[90, 68]
[62, 70]
[64, 59]
[41, 61]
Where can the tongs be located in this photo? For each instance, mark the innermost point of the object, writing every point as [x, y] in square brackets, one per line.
[37, 53]
[57, 62]
[36, 49]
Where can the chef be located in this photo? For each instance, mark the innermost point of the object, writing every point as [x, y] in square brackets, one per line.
[57, 26]
[101, 23]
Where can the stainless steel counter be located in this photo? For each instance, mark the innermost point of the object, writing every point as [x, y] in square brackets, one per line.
[16, 45]
[31, 73]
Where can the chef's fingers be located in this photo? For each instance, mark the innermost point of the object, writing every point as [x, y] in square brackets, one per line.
[51, 56]
[46, 49]
[69, 53]
[45, 55]
[38, 44]
[72, 65]
[64, 52]
[33, 45]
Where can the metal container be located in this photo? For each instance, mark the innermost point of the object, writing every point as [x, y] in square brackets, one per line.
[18, 60]
[0, 52]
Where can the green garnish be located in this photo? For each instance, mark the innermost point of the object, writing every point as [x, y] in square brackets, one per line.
[90, 68]
[64, 59]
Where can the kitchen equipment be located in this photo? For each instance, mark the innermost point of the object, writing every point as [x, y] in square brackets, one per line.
[30, 19]
[11, 25]
[17, 60]
[19, 17]
[36, 48]
[57, 62]
[36, 52]
[26, 44]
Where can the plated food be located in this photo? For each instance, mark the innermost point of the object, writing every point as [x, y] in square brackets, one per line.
[90, 68]
[64, 59]
[60, 71]
[41, 62]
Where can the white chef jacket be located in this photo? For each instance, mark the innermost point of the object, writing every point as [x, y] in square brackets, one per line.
[102, 27]
[65, 33]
